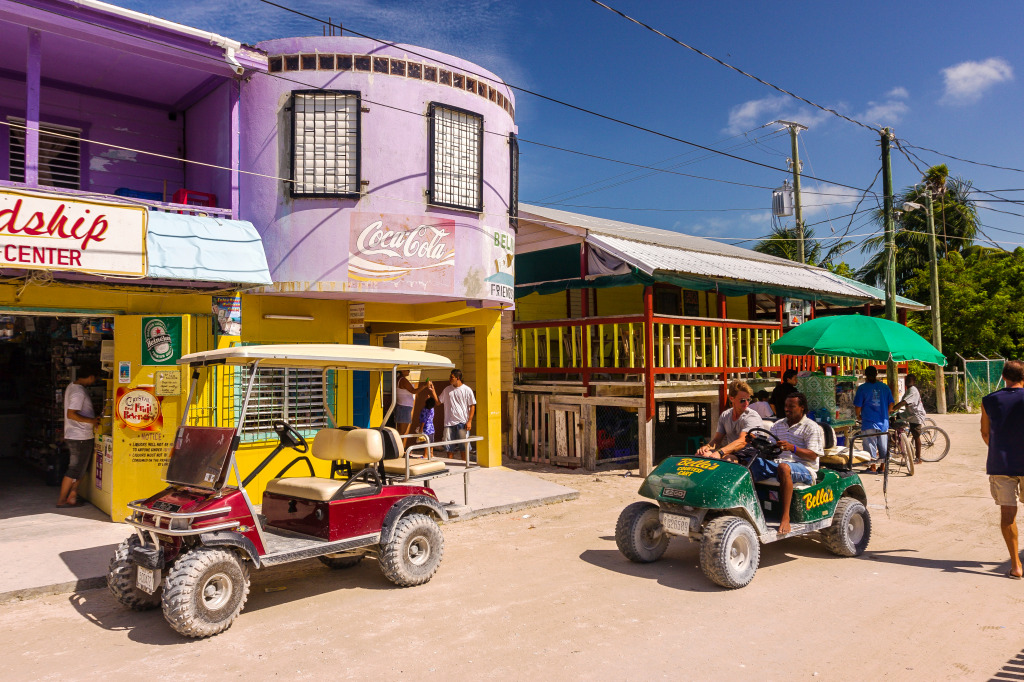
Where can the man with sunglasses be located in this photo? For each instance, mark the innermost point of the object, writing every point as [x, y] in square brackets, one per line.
[733, 424]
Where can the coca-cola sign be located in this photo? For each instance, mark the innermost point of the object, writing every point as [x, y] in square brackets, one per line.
[387, 249]
[40, 232]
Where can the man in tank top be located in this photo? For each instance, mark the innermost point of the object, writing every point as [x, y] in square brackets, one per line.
[1002, 424]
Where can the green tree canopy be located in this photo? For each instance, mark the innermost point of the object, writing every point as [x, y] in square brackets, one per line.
[783, 243]
[956, 225]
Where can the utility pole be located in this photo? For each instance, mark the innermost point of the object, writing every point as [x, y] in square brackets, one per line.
[940, 377]
[890, 250]
[794, 129]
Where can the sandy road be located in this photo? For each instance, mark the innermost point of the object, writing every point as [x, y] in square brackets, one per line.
[544, 594]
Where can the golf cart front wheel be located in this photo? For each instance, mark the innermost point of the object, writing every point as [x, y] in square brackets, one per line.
[205, 591]
[122, 577]
[850, 530]
[414, 552]
[730, 551]
[639, 535]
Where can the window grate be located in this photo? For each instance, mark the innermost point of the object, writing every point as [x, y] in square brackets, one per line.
[325, 143]
[59, 154]
[456, 158]
[292, 394]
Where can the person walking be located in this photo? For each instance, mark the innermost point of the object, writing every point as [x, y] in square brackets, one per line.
[1002, 421]
[459, 404]
[872, 402]
[915, 413]
[79, 421]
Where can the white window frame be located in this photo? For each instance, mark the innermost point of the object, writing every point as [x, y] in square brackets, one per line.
[49, 134]
[326, 143]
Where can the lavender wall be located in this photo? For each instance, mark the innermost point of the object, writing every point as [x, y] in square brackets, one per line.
[207, 139]
[310, 241]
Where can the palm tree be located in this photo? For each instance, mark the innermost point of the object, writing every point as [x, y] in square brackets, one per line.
[783, 243]
[956, 225]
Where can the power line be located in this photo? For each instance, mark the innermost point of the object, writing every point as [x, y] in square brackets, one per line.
[674, 210]
[730, 66]
[958, 158]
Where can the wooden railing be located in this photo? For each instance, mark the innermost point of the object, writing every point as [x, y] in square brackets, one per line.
[685, 346]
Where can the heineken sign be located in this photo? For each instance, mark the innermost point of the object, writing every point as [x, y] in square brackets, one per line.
[161, 340]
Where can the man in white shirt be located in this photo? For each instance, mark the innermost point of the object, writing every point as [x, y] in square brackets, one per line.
[762, 406]
[79, 420]
[733, 424]
[459, 407]
[916, 414]
[802, 442]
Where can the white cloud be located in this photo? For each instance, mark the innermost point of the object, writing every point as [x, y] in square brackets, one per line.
[966, 82]
[885, 113]
[826, 200]
[756, 112]
[898, 92]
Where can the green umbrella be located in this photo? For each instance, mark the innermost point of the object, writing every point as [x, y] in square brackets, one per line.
[857, 336]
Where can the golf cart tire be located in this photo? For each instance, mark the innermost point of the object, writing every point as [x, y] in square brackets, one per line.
[730, 551]
[414, 551]
[121, 578]
[340, 560]
[850, 530]
[639, 535]
[189, 608]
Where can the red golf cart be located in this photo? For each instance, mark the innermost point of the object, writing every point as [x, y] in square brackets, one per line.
[196, 541]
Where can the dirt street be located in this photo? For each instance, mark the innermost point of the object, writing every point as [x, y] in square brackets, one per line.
[544, 594]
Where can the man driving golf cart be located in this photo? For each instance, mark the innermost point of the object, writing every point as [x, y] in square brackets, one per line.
[733, 424]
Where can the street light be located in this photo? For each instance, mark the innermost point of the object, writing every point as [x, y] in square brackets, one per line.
[933, 266]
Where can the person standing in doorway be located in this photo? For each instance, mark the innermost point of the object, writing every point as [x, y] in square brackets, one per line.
[873, 400]
[79, 421]
[786, 387]
[459, 404]
[1002, 421]
[406, 394]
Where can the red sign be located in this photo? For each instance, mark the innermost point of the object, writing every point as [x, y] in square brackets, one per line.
[138, 408]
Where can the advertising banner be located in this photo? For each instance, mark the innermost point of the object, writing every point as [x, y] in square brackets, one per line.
[161, 340]
[40, 232]
[138, 409]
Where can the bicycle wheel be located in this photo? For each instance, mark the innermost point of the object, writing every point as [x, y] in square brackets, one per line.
[934, 444]
[907, 444]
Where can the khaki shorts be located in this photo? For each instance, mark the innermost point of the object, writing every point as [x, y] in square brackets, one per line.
[1006, 490]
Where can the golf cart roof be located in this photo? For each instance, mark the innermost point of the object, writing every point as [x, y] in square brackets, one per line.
[337, 356]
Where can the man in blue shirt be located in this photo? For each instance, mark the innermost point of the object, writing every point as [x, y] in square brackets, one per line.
[872, 401]
[1002, 421]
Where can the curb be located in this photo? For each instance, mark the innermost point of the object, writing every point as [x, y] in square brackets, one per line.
[516, 506]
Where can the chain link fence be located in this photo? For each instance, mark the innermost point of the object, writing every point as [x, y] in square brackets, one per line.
[981, 377]
[618, 434]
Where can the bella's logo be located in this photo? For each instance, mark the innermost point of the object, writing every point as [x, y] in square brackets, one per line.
[823, 496]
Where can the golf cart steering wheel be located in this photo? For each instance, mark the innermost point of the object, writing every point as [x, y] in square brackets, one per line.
[766, 447]
[289, 436]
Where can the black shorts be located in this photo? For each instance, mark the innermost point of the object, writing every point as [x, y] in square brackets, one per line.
[915, 429]
[81, 455]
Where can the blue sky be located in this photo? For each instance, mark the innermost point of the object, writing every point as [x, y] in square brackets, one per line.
[943, 75]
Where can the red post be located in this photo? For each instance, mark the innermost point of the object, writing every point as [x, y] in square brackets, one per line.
[585, 331]
[723, 390]
[751, 306]
[903, 316]
[781, 317]
[867, 309]
[649, 351]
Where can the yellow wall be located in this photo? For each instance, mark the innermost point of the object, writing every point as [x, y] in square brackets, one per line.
[736, 308]
[620, 301]
[541, 307]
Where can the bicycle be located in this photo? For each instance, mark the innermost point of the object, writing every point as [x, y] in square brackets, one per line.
[934, 443]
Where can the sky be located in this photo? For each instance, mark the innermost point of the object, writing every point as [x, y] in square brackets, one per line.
[942, 75]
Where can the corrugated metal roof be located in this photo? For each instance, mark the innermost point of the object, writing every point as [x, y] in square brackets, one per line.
[879, 295]
[654, 257]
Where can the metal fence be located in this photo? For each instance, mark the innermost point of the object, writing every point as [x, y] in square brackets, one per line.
[981, 377]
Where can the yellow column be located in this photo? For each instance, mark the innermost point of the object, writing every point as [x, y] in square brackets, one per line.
[377, 389]
[487, 420]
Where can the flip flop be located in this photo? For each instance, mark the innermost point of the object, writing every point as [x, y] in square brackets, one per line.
[1011, 576]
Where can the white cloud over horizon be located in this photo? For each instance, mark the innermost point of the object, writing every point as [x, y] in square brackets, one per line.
[966, 82]
[753, 113]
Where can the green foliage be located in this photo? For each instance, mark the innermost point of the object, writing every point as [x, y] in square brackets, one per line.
[956, 225]
[842, 269]
[982, 303]
[784, 243]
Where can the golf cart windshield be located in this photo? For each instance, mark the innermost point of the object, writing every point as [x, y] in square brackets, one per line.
[200, 456]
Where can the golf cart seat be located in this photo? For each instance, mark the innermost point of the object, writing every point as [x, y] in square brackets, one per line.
[395, 456]
[359, 446]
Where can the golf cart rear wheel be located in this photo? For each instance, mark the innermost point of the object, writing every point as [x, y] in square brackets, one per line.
[850, 530]
[730, 551]
[205, 591]
[639, 534]
[340, 560]
[414, 552]
[121, 579]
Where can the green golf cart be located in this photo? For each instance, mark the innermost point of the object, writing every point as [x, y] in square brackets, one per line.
[717, 503]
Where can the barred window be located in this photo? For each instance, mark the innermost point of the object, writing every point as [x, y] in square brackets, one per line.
[292, 394]
[456, 158]
[59, 154]
[325, 143]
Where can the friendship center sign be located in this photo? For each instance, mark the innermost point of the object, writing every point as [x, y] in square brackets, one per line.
[39, 232]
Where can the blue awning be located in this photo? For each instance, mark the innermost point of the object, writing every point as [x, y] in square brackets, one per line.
[205, 249]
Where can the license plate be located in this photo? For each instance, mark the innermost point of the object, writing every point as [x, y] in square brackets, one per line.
[145, 579]
[676, 524]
